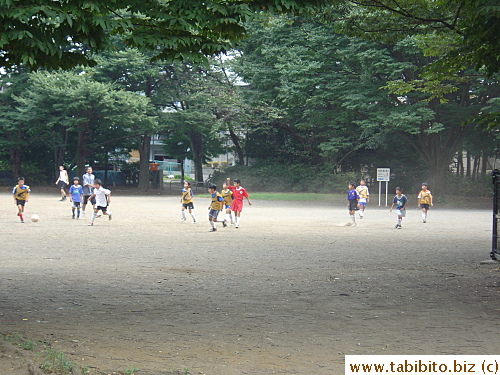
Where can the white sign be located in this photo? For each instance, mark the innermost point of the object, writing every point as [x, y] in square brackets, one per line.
[383, 174]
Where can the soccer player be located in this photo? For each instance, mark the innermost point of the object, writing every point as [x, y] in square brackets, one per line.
[21, 193]
[187, 202]
[215, 207]
[227, 194]
[400, 201]
[75, 196]
[352, 202]
[425, 200]
[103, 199]
[238, 194]
[88, 187]
[364, 197]
[62, 181]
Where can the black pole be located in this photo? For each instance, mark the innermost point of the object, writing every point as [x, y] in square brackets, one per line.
[495, 174]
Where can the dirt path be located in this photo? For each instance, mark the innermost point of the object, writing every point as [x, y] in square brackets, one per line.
[289, 292]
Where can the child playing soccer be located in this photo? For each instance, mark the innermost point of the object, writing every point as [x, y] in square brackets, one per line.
[21, 193]
[227, 194]
[352, 199]
[215, 207]
[400, 201]
[187, 201]
[75, 197]
[364, 197]
[424, 201]
[238, 194]
[102, 199]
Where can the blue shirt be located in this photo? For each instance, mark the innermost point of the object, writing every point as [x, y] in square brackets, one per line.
[75, 192]
[400, 201]
[352, 194]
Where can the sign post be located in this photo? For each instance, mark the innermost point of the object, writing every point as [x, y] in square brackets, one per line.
[383, 174]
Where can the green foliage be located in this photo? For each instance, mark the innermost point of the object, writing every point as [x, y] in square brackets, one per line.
[466, 187]
[59, 34]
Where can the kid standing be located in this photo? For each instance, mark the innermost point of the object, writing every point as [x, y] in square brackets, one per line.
[103, 199]
[215, 207]
[364, 197]
[62, 181]
[21, 193]
[400, 201]
[75, 196]
[227, 194]
[424, 201]
[238, 194]
[352, 199]
[187, 201]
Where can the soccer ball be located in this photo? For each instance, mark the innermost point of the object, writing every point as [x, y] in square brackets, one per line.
[35, 218]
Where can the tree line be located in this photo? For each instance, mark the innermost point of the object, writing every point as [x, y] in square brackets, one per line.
[335, 88]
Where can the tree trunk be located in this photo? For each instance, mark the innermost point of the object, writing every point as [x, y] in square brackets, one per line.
[237, 146]
[196, 141]
[81, 149]
[144, 147]
[468, 172]
[484, 163]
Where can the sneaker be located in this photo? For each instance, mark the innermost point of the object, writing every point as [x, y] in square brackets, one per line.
[98, 216]
[183, 219]
[213, 230]
[73, 216]
[236, 225]
[224, 224]
[109, 216]
[90, 224]
[194, 222]
[424, 221]
[399, 226]
[22, 221]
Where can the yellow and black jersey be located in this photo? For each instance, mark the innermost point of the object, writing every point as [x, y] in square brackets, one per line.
[217, 201]
[425, 197]
[187, 196]
[363, 191]
[227, 195]
[21, 192]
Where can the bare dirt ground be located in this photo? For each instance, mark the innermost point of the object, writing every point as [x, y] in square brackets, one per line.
[292, 291]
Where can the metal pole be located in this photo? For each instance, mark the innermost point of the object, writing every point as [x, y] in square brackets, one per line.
[496, 215]
[379, 192]
[386, 193]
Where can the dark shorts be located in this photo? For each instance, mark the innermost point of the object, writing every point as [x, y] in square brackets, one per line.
[76, 204]
[424, 205]
[189, 205]
[353, 204]
[20, 202]
[86, 199]
[213, 213]
[103, 209]
[62, 185]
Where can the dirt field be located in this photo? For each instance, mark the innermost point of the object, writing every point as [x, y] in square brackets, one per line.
[291, 291]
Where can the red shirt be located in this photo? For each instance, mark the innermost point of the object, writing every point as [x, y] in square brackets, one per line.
[238, 193]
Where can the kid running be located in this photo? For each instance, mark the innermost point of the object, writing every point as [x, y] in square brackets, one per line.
[21, 193]
[227, 194]
[425, 200]
[215, 207]
[187, 201]
[400, 201]
[238, 194]
[103, 199]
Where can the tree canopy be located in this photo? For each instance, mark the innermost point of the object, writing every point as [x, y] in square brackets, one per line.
[63, 34]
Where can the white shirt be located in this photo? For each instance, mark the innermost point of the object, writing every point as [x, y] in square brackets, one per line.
[100, 196]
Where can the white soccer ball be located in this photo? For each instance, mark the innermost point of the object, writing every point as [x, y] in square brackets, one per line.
[35, 218]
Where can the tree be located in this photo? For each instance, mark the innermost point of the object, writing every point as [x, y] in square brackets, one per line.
[60, 34]
[80, 115]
